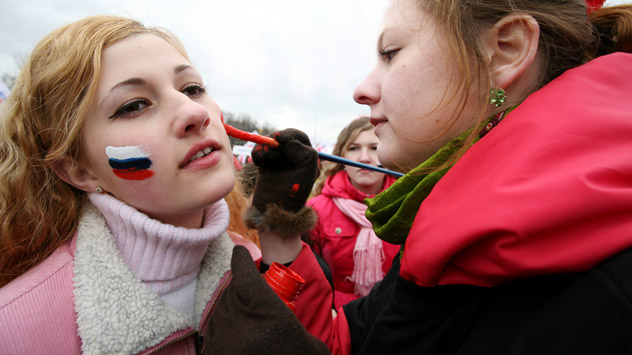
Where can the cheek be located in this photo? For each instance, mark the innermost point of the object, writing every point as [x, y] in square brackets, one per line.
[130, 162]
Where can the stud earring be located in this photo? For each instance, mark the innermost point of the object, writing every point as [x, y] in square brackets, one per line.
[99, 189]
[497, 97]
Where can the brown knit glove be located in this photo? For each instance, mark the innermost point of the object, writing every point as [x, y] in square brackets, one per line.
[249, 318]
[285, 179]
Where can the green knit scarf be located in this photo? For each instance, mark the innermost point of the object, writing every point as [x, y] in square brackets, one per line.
[392, 212]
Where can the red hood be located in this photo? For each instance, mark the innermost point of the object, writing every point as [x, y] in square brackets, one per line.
[339, 185]
[549, 190]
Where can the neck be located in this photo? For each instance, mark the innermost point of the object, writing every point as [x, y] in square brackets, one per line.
[372, 189]
[192, 220]
[164, 256]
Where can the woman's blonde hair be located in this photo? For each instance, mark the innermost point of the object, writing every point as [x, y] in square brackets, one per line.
[345, 138]
[568, 38]
[40, 125]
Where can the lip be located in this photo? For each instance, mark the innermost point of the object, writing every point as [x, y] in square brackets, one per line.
[376, 121]
[204, 162]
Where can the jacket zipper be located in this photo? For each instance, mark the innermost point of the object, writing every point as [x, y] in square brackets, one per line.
[222, 286]
[200, 338]
[172, 341]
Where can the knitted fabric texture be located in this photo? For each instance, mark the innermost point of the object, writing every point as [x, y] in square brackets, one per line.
[116, 312]
[163, 256]
[392, 212]
[368, 253]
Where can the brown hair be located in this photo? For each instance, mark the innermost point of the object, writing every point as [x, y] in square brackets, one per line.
[238, 204]
[568, 38]
[345, 138]
[40, 126]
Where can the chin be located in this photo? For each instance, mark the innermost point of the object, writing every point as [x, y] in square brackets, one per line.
[218, 186]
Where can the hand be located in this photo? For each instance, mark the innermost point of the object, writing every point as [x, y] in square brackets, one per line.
[287, 173]
[249, 318]
[285, 179]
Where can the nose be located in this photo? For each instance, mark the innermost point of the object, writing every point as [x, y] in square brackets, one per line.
[190, 117]
[368, 91]
[366, 155]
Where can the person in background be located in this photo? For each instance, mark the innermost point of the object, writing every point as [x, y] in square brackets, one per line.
[343, 237]
[114, 166]
[511, 120]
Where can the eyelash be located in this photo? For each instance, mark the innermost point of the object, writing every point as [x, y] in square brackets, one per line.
[200, 90]
[131, 107]
[388, 54]
[353, 149]
[125, 111]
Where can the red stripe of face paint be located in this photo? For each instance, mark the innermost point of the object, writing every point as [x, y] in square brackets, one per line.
[133, 174]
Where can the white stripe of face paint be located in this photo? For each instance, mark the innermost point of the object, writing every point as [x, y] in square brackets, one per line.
[128, 152]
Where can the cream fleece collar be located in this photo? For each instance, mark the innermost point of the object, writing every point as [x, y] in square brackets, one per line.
[116, 312]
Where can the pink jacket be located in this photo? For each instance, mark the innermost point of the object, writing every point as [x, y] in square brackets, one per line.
[84, 299]
[335, 234]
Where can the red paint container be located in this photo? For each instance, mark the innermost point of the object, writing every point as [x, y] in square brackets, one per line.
[285, 283]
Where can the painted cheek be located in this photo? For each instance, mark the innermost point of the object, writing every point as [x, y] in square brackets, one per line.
[129, 163]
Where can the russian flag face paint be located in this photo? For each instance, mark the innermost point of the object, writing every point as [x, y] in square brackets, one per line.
[130, 163]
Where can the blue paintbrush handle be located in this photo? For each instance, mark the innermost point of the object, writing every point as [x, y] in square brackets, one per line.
[339, 160]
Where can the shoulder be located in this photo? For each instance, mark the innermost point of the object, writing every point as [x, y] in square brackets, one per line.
[318, 201]
[55, 269]
[40, 301]
[569, 140]
[596, 86]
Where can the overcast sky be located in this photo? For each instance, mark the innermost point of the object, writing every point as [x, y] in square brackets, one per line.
[288, 63]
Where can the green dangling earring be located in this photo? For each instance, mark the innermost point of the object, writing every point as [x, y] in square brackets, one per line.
[497, 97]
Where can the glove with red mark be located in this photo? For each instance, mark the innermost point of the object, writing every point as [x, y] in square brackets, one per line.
[285, 179]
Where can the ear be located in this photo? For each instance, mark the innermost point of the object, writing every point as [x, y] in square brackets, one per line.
[512, 44]
[75, 174]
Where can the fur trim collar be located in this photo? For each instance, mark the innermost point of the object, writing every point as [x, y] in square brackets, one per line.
[116, 312]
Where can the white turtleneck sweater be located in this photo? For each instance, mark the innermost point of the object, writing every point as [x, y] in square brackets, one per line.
[165, 257]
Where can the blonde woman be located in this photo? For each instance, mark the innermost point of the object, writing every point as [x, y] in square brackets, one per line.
[114, 166]
[511, 120]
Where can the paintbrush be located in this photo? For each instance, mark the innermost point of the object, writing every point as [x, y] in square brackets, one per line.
[271, 142]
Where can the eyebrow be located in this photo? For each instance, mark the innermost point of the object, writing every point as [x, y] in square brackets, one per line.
[181, 68]
[140, 82]
[128, 82]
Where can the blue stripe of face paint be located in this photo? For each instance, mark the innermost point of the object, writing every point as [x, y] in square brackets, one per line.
[131, 163]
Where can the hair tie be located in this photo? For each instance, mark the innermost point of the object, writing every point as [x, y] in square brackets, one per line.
[592, 5]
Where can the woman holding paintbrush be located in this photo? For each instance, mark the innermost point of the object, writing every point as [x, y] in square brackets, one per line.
[511, 120]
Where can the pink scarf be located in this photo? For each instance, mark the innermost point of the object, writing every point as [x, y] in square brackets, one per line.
[368, 253]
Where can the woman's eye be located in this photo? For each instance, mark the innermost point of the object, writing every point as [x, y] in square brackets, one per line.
[388, 54]
[131, 108]
[194, 90]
